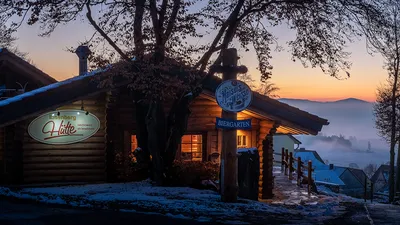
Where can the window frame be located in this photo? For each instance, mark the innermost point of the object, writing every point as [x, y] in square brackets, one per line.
[243, 138]
[203, 147]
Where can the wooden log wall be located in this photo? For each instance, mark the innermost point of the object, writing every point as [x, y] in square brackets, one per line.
[265, 151]
[121, 120]
[78, 162]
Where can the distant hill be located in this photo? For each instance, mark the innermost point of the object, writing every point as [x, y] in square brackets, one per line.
[349, 117]
[347, 100]
[350, 100]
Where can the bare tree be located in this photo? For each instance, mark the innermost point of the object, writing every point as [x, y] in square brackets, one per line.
[383, 119]
[7, 39]
[246, 78]
[370, 169]
[269, 89]
[170, 67]
[385, 39]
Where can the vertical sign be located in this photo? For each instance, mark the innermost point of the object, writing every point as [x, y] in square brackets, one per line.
[232, 96]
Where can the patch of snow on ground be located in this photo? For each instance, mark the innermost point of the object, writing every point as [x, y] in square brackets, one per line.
[183, 202]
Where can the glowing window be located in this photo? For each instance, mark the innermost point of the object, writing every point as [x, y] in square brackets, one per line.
[241, 141]
[134, 143]
[191, 147]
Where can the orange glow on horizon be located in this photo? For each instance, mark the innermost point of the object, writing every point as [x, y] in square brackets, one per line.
[300, 90]
[293, 79]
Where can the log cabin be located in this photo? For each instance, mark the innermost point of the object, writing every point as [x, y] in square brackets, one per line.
[32, 160]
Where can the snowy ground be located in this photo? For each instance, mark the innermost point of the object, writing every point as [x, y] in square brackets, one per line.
[290, 201]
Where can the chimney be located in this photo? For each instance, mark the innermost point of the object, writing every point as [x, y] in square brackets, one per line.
[83, 52]
[331, 166]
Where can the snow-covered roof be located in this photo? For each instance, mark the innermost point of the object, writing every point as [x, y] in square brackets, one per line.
[49, 87]
[339, 169]
[306, 156]
[327, 176]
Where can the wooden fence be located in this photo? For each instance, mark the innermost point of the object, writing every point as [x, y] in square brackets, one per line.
[287, 167]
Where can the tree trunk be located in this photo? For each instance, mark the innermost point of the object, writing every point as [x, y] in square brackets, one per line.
[398, 168]
[392, 138]
[143, 156]
[177, 126]
[155, 123]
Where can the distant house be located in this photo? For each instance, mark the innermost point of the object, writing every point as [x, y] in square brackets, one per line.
[328, 178]
[354, 180]
[286, 141]
[321, 175]
[306, 155]
[380, 179]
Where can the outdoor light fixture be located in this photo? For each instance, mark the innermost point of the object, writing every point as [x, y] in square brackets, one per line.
[83, 108]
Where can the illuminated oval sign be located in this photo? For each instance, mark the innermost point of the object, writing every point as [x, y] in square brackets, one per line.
[233, 95]
[63, 127]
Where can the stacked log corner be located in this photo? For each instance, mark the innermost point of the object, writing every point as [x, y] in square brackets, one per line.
[266, 180]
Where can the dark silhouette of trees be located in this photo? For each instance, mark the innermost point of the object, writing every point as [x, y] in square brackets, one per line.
[7, 39]
[383, 113]
[384, 38]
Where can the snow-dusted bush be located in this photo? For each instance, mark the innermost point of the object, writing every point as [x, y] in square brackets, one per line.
[192, 173]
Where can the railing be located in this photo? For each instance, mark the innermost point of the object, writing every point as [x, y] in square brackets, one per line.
[287, 161]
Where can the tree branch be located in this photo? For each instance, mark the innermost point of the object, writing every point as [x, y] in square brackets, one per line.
[154, 19]
[232, 19]
[172, 19]
[102, 33]
[161, 19]
[137, 28]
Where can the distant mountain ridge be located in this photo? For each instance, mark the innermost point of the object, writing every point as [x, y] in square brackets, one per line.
[349, 117]
[348, 100]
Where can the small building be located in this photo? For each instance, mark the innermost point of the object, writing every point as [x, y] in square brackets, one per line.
[354, 180]
[70, 131]
[380, 179]
[328, 178]
[286, 141]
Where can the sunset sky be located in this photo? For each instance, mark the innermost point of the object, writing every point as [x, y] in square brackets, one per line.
[50, 55]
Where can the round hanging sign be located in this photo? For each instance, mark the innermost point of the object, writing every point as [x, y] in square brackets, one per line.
[233, 95]
[64, 127]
